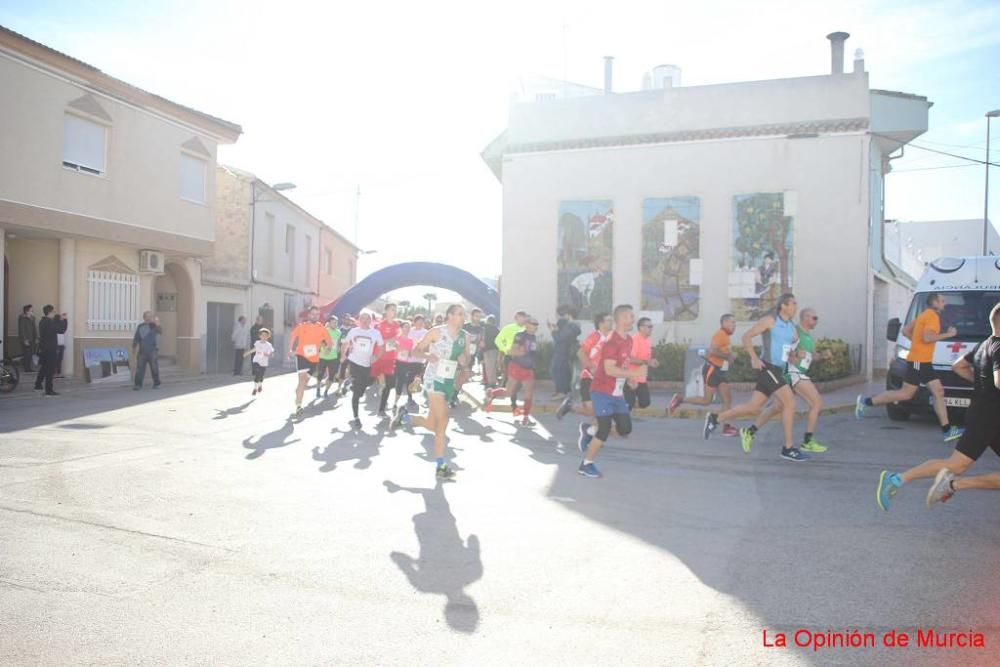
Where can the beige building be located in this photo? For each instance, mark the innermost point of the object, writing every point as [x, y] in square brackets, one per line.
[271, 258]
[107, 196]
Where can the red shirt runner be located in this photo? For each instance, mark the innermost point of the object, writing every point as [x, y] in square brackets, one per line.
[386, 365]
[618, 349]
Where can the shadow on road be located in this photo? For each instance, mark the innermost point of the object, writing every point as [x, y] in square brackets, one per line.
[273, 440]
[231, 412]
[446, 564]
[350, 446]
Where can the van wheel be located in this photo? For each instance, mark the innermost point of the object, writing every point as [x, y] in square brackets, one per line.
[896, 413]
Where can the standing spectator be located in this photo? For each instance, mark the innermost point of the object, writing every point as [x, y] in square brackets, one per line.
[565, 335]
[145, 349]
[62, 325]
[491, 356]
[241, 339]
[28, 333]
[47, 351]
[255, 330]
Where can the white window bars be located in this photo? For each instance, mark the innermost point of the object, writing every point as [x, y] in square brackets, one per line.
[113, 303]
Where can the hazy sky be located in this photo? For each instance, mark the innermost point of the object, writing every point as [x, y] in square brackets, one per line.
[400, 97]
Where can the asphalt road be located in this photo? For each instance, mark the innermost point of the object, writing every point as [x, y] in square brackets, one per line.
[204, 527]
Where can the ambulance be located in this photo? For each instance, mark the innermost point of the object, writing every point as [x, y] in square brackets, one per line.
[971, 287]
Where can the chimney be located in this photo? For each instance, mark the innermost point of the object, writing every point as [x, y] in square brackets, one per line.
[837, 40]
[859, 61]
[609, 62]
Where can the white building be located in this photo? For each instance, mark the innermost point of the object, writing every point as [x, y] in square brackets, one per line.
[930, 239]
[691, 202]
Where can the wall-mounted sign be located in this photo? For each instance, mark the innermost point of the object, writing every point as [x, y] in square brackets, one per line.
[166, 302]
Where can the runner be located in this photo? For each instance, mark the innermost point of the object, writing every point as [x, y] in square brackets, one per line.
[798, 368]
[385, 368]
[714, 373]
[306, 342]
[406, 369]
[981, 368]
[474, 330]
[417, 333]
[261, 351]
[329, 357]
[588, 354]
[504, 341]
[607, 390]
[520, 372]
[446, 350]
[491, 355]
[924, 333]
[637, 388]
[362, 348]
[345, 328]
[780, 339]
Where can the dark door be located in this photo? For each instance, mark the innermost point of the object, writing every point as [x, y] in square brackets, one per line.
[219, 343]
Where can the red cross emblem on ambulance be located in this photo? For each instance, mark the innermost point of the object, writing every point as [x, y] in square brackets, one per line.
[956, 347]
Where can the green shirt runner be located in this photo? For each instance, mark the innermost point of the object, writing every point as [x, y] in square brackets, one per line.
[807, 345]
[332, 352]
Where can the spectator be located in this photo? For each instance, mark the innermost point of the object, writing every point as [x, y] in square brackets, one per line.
[145, 349]
[28, 333]
[241, 340]
[565, 335]
[47, 351]
[62, 325]
[255, 330]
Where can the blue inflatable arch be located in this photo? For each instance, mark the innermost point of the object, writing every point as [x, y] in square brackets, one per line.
[410, 274]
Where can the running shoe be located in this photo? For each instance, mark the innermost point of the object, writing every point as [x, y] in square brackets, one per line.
[953, 433]
[382, 414]
[317, 394]
[729, 431]
[675, 403]
[859, 407]
[564, 407]
[260, 390]
[941, 491]
[584, 442]
[746, 439]
[711, 422]
[299, 411]
[444, 473]
[888, 485]
[398, 418]
[527, 423]
[355, 424]
[794, 454]
[589, 470]
[488, 402]
[453, 403]
[345, 386]
[814, 445]
[254, 392]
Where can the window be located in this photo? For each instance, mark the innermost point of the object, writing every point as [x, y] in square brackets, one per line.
[290, 251]
[328, 261]
[85, 144]
[113, 303]
[193, 173]
[309, 260]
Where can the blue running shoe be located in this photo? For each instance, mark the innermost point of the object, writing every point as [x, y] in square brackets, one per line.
[859, 407]
[711, 422]
[589, 470]
[888, 484]
[794, 454]
[585, 438]
[953, 433]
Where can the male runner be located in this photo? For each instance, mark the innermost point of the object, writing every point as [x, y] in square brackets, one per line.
[504, 341]
[385, 367]
[780, 338]
[798, 377]
[924, 333]
[417, 333]
[637, 388]
[714, 373]
[308, 339]
[588, 355]
[491, 355]
[608, 387]
[362, 348]
[981, 367]
[474, 334]
[329, 357]
[446, 349]
[520, 371]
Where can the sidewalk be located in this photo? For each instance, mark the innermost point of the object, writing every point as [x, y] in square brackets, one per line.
[840, 398]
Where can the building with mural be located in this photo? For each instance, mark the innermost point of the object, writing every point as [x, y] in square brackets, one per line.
[692, 202]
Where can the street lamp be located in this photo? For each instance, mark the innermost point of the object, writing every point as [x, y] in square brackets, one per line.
[986, 196]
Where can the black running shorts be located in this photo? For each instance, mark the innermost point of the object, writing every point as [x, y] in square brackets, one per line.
[303, 364]
[713, 375]
[770, 380]
[918, 373]
[982, 430]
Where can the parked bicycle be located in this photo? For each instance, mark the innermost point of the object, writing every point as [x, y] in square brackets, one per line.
[9, 375]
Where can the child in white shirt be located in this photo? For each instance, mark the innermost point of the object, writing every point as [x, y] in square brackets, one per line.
[261, 351]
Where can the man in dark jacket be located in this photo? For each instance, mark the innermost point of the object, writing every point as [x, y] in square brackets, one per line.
[48, 351]
[146, 350]
[62, 325]
[565, 335]
[28, 333]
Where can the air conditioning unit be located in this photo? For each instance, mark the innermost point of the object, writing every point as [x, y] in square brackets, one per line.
[150, 261]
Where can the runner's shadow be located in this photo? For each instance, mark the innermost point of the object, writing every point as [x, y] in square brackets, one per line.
[273, 440]
[446, 564]
[231, 412]
[350, 446]
[470, 426]
[427, 442]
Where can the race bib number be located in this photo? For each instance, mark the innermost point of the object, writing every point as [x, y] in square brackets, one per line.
[391, 345]
[404, 355]
[806, 361]
[446, 369]
[786, 351]
[309, 350]
[619, 389]
[725, 365]
[472, 350]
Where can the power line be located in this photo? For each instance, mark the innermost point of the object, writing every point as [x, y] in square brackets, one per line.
[948, 166]
[934, 150]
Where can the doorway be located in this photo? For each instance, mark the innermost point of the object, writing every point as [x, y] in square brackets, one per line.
[219, 348]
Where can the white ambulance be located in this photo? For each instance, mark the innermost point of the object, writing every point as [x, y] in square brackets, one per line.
[971, 287]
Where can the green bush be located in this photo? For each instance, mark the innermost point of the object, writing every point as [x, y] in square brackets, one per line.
[671, 358]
